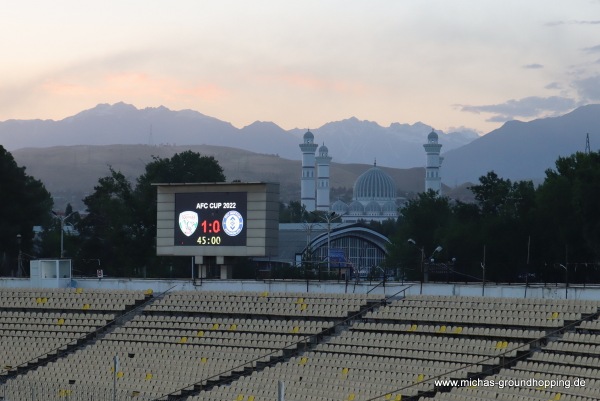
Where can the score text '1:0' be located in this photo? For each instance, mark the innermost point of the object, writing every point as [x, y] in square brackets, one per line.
[211, 227]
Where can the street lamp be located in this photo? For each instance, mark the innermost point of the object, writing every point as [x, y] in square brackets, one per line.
[432, 260]
[422, 249]
[328, 218]
[566, 281]
[62, 230]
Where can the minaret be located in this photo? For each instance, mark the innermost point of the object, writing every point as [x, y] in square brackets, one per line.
[307, 183]
[323, 162]
[433, 179]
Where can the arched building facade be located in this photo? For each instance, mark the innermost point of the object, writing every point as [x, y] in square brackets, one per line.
[361, 246]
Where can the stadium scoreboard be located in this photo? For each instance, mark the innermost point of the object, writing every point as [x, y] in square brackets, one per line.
[210, 218]
[217, 219]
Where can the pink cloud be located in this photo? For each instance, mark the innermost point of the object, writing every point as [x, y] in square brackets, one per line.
[129, 85]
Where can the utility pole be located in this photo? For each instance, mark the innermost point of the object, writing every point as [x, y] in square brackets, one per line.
[328, 218]
[587, 143]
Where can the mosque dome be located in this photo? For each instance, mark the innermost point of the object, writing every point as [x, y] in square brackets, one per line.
[374, 184]
[432, 137]
[309, 137]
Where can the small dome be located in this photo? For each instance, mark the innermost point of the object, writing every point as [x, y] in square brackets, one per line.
[339, 207]
[374, 184]
[390, 208]
[356, 208]
[432, 137]
[309, 137]
[373, 208]
[323, 151]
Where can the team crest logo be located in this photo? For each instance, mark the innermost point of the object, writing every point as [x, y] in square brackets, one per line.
[233, 222]
[188, 222]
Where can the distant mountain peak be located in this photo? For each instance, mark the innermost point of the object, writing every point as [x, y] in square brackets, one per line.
[105, 109]
[259, 123]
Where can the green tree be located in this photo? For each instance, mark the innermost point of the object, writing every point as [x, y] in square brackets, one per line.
[294, 212]
[24, 203]
[120, 228]
[424, 220]
[109, 232]
[568, 213]
[506, 224]
[50, 238]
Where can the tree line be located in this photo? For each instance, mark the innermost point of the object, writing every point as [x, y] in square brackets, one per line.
[118, 230]
[515, 230]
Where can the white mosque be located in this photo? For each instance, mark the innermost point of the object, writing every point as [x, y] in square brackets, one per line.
[374, 193]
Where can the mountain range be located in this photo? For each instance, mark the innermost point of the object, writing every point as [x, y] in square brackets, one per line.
[71, 154]
[349, 141]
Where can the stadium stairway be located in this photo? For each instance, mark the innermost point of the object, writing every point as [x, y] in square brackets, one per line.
[316, 319]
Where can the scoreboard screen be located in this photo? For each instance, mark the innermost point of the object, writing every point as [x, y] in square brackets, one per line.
[210, 219]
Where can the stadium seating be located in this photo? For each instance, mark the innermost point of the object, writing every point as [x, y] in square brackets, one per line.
[37, 323]
[185, 340]
[202, 345]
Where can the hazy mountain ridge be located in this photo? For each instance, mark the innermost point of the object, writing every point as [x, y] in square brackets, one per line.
[524, 150]
[56, 167]
[517, 150]
[349, 141]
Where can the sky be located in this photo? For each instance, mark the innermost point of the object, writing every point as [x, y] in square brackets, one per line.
[449, 64]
